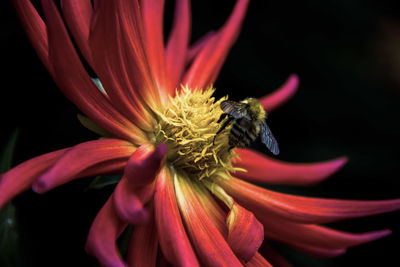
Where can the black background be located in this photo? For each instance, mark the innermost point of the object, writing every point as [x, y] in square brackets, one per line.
[347, 55]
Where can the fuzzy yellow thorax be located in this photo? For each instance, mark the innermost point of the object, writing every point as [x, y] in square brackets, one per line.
[188, 125]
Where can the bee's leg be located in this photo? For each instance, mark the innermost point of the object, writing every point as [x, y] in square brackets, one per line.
[223, 116]
[230, 118]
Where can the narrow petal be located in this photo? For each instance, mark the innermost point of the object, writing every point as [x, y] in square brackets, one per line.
[320, 252]
[280, 96]
[177, 45]
[152, 14]
[262, 169]
[210, 245]
[308, 236]
[303, 209]
[174, 242]
[143, 246]
[76, 84]
[78, 15]
[208, 63]
[258, 261]
[103, 234]
[35, 29]
[246, 233]
[81, 157]
[21, 177]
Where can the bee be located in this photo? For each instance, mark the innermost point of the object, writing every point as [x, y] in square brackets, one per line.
[248, 122]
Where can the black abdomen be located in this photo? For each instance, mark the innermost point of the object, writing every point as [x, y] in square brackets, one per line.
[242, 133]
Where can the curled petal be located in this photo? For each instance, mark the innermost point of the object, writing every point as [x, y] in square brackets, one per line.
[21, 177]
[262, 169]
[144, 165]
[129, 202]
[246, 234]
[35, 29]
[143, 246]
[103, 234]
[80, 158]
[174, 242]
[303, 209]
[208, 63]
[210, 245]
[258, 261]
[280, 96]
[175, 53]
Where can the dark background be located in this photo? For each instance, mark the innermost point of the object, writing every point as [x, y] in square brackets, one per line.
[347, 55]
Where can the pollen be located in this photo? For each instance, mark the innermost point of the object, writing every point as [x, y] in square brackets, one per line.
[188, 125]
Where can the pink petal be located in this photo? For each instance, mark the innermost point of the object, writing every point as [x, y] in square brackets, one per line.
[246, 234]
[143, 246]
[177, 45]
[303, 209]
[81, 157]
[174, 242]
[208, 63]
[101, 241]
[262, 169]
[280, 96]
[304, 236]
[258, 261]
[210, 245]
[152, 14]
[21, 177]
[78, 15]
[35, 29]
[76, 84]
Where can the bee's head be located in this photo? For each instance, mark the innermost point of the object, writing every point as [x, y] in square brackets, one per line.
[255, 108]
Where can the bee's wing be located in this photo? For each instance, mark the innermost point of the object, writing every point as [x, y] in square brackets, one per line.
[268, 139]
[235, 109]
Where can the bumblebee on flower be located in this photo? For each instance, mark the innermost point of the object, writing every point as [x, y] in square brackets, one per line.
[189, 197]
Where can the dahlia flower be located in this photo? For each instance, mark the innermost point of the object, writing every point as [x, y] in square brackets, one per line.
[190, 199]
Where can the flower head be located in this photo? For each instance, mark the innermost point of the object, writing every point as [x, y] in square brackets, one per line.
[188, 194]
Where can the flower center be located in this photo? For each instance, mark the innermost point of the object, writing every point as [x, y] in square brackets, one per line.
[188, 125]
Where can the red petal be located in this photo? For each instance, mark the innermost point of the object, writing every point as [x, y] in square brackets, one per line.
[303, 209]
[262, 169]
[81, 157]
[246, 234]
[174, 242]
[210, 245]
[152, 14]
[78, 15]
[35, 29]
[143, 246]
[308, 236]
[208, 63]
[76, 84]
[258, 261]
[21, 177]
[320, 252]
[177, 45]
[280, 96]
[101, 241]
